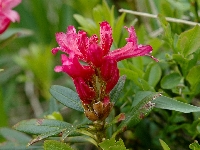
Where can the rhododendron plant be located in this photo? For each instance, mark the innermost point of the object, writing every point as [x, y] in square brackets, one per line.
[8, 15]
[97, 76]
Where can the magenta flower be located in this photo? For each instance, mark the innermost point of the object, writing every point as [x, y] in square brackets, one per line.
[8, 15]
[97, 77]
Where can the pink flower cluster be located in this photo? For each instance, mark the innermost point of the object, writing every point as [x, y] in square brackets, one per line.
[93, 67]
[8, 15]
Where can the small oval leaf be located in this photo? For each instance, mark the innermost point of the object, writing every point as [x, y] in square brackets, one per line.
[170, 81]
[67, 97]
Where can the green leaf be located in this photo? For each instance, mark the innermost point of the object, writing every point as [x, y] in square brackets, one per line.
[188, 41]
[194, 79]
[56, 145]
[18, 146]
[67, 97]
[87, 25]
[186, 63]
[138, 112]
[12, 34]
[14, 136]
[164, 145]
[171, 80]
[180, 5]
[167, 30]
[44, 128]
[139, 96]
[153, 74]
[97, 14]
[164, 102]
[53, 106]
[116, 91]
[108, 13]
[15, 140]
[194, 146]
[111, 144]
[141, 83]
[117, 29]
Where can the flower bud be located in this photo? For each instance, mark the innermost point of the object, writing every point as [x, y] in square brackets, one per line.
[86, 93]
[109, 66]
[95, 55]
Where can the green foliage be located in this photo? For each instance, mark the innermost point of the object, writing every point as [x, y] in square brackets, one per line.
[111, 144]
[176, 76]
[67, 97]
[188, 41]
[164, 145]
[15, 140]
[138, 112]
[171, 80]
[164, 102]
[45, 128]
[38, 60]
[116, 91]
[56, 145]
[194, 146]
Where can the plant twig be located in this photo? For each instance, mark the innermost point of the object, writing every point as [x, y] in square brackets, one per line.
[155, 16]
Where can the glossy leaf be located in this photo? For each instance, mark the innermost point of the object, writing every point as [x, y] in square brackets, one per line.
[194, 79]
[116, 91]
[170, 81]
[164, 102]
[67, 97]
[141, 83]
[111, 144]
[43, 127]
[167, 30]
[153, 74]
[194, 146]
[117, 28]
[139, 96]
[164, 145]
[188, 41]
[186, 63]
[87, 25]
[56, 145]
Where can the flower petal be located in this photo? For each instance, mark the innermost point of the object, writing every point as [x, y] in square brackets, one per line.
[95, 55]
[9, 4]
[12, 15]
[86, 93]
[109, 66]
[73, 68]
[58, 69]
[68, 42]
[131, 49]
[105, 37]
[113, 81]
[83, 43]
[4, 23]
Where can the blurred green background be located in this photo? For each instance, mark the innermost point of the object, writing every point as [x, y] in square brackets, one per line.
[28, 63]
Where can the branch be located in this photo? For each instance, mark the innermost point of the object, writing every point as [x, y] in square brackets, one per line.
[155, 16]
